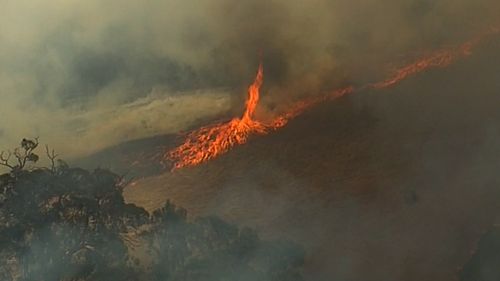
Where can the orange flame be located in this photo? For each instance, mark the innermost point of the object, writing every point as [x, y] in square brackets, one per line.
[211, 141]
[438, 59]
[441, 58]
[253, 95]
[304, 105]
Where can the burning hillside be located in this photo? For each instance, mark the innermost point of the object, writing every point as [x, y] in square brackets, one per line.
[396, 186]
[367, 132]
[210, 141]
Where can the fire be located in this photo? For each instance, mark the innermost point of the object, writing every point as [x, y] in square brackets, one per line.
[441, 58]
[253, 95]
[211, 141]
[438, 59]
[301, 106]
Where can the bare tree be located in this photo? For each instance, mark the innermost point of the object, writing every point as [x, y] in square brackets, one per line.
[52, 157]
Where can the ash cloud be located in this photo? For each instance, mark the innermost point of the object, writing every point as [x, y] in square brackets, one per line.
[86, 75]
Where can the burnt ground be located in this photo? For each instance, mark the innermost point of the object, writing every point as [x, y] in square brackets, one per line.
[397, 184]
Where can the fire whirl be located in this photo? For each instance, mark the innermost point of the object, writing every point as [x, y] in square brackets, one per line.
[211, 141]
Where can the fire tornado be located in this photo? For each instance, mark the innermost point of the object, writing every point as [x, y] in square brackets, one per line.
[210, 141]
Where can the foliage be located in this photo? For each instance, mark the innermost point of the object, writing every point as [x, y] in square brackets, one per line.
[210, 249]
[23, 154]
[63, 224]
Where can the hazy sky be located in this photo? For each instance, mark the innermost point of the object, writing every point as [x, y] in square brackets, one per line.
[83, 75]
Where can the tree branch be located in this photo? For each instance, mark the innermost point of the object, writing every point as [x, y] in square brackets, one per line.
[52, 156]
[4, 160]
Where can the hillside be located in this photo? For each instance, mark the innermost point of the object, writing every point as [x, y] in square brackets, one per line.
[396, 184]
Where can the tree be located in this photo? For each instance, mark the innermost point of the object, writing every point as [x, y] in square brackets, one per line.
[210, 249]
[67, 225]
[23, 154]
[63, 223]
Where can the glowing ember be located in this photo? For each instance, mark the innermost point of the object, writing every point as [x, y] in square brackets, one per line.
[211, 141]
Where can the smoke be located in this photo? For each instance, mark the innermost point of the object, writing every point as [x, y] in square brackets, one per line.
[84, 75]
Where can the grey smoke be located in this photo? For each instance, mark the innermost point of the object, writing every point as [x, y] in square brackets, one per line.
[84, 75]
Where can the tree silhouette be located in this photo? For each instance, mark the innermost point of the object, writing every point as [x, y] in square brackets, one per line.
[23, 155]
[62, 223]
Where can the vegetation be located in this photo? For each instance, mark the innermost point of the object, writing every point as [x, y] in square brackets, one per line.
[64, 223]
[23, 154]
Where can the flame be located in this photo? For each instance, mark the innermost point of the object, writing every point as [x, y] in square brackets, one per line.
[438, 59]
[441, 58]
[253, 95]
[301, 106]
[211, 141]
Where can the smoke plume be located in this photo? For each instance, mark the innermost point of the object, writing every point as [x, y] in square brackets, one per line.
[84, 75]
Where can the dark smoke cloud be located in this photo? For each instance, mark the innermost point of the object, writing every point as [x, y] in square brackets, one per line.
[87, 74]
